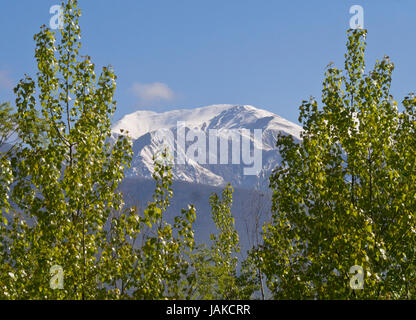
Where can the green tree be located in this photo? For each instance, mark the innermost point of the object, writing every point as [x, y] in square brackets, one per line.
[144, 256]
[6, 179]
[163, 258]
[7, 121]
[215, 269]
[345, 194]
[66, 175]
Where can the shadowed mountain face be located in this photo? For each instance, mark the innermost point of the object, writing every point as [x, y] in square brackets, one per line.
[218, 144]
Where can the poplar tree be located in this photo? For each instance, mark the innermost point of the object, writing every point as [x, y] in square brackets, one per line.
[215, 268]
[6, 177]
[66, 175]
[346, 195]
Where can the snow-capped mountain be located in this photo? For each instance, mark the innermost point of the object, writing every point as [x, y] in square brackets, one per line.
[210, 145]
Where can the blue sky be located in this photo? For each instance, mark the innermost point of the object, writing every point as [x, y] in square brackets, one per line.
[189, 53]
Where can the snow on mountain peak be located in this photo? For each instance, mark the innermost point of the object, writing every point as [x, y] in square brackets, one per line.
[141, 122]
[221, 119]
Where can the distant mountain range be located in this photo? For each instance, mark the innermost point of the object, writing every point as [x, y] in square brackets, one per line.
[222, 122]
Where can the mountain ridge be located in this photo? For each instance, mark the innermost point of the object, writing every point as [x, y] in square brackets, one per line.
[224, 121]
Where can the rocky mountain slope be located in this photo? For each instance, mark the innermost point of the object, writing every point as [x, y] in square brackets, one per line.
[197, 159]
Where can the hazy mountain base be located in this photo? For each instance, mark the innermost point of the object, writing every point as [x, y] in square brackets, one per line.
[250, 208]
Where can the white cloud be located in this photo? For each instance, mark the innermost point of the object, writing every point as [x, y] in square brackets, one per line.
[152, 92]
[6, 81]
